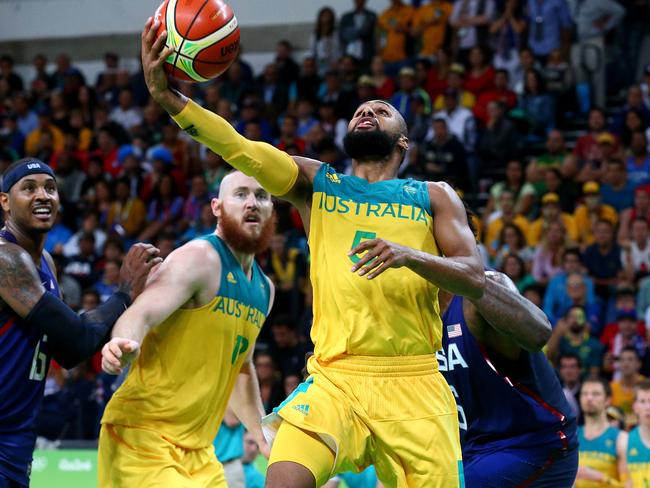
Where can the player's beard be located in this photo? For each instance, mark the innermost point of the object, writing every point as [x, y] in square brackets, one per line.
[243, 242]
[369, 145]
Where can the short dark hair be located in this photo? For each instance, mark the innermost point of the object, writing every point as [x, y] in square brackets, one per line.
[283, 320]
[570, 355]
[631, 349]
[572, 251]
[604, 383]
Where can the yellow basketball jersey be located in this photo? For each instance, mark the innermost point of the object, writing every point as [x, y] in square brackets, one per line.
[181, 382]
[599, 454]
[395, 314]
[638, 460]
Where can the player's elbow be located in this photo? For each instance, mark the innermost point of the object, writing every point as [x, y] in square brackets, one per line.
[542, 333]
[475, 282]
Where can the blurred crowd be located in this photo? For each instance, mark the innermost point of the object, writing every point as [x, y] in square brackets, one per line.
[532, 109]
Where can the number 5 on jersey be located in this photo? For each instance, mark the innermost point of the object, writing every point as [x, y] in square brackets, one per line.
[360, 236]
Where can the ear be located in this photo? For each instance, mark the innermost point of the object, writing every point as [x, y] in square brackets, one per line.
[216, 204]
[4, 201]
[403, 143]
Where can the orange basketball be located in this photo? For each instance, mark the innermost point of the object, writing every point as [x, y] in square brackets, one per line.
[204, 35]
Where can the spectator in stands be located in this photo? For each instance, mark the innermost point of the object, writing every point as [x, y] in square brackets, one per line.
[68, 170]
[366, 89]
[89, 224]
[537, 105]
[287, 69]
[627, 331]
[634, 102]
[616, 189]
[271, 389]
[641, 209]
[593, 21]
[253, 478]
[569, 371]
[204, 225]
[636, 253]
[571, 336]
[429, 26]
[57, 236]
[26, 118]
[455, 80]
[560, 83]
[324, 43]
[470, 20]
[443, 157]
[506, 36]
[41, 77]
[591, 211]
[459, 119]
[516, 183]
[308, 83]
[383, 83]
[550, 24]
[480, 77]
[499, 93]
[408, 88]
[165, 207]
[107, 148]
[288, 135]
[511, 241]
[82, 266]
[109, 280]
[559, 297]
[627, 377]
[633, 123]
[357, 33]
[515, 268]
[233, 86]
[645, 85]
[638, 163]
[587, 150]
[127, 212]
[126, 113]
[507, 215]
[603, 260]
[7, 74]
[394, 26]
[554, 160]
[551, 212]
[335, 126]
[548, 254]
[498, 142]
[288, 350]
[273, 91]
[45, 125]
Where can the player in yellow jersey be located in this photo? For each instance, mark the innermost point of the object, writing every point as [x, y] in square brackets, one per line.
[190, 337]
[638, 445]
[380, 250]
[602, 447]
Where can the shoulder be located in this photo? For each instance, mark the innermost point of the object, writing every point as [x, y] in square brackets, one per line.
[50, 261]
[12, 255]
[442, 196]
[197, 255]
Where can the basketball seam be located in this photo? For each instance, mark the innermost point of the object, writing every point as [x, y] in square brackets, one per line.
[216, 63]
[180, 47]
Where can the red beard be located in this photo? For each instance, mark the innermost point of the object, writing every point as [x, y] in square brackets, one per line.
[242, 242]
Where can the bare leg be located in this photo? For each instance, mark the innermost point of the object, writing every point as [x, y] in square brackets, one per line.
[287, 474]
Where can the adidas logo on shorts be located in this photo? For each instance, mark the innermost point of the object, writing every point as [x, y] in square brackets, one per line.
[302, 408]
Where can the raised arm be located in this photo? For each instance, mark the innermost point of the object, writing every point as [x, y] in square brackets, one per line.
[187, 273]
[504, 321]
[71, 338]
[275, 170]
[459, 270]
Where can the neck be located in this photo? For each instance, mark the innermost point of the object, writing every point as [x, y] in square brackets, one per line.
[245, 260]
[629, 380]
[33, 244]
[596, 423]
[605, 246]
[373, 171]
[644, 429]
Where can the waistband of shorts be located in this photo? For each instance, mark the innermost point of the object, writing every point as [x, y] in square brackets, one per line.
[383, 365]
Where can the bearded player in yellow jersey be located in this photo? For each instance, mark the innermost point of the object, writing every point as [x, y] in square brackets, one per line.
[374, 394]
[196, 321]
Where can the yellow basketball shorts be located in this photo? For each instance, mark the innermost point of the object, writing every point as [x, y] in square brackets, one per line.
[396, 413]
[131, 457]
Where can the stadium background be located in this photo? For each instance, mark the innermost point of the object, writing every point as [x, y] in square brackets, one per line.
[94, 141]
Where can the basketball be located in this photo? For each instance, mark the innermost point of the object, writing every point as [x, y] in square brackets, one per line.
[204, 35]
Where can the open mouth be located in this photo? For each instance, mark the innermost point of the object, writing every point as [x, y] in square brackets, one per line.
[42, 212]
[366, 123]
[252, 219]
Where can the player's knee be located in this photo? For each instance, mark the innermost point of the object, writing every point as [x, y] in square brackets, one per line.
[287, 474]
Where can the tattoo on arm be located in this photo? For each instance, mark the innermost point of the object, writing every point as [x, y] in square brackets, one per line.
[20, 286]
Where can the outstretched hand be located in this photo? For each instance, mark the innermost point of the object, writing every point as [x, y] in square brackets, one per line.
[118, 353]
[154, 54]
[136, 266]
[381, 255]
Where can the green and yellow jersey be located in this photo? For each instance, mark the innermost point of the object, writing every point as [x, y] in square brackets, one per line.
[181, 381]
[394, 314]
[638, 460]
[600, 454]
